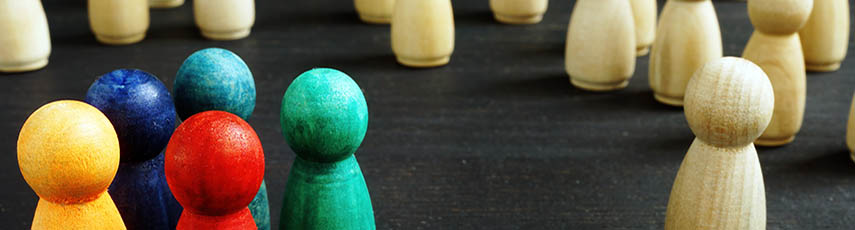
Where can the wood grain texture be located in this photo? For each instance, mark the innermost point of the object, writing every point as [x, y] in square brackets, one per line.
[687, 36]
[497, 139]
[600, 54]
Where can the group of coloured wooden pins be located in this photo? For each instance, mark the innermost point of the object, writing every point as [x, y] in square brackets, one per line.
[118, 161]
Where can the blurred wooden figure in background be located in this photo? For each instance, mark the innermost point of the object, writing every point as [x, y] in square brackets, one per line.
[519, 11]
[423, 32]
[375, 11]
[600, 51]
[24, 36]
[825, 37]
[119, 22]
[224, 19]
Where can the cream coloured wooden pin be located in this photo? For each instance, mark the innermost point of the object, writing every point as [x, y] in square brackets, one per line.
[729, 101]
[119, 22]
[519, 11]
[776, 48]
[375, 11]
[600, 54]
[165, 3]
[224, 19]
[825, 37]
[423, 32]
[644, 15]
[850, 130]
[687, 36]
[24, 36]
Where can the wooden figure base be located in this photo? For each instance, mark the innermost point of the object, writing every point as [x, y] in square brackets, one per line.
[224, 36]
[641, 51]
[519, 20]
[238, 220]
[424, 63]
[825, 67]
[142, 195]
[24, 67]
[374, 19]
[162, 4]
[599, 87]
[774, 142]
[100, 213]
[123, 40]
[668, 100]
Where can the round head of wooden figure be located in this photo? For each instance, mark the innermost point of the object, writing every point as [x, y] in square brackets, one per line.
[729, 102]
[68, 152]
[779, 16]
[324, 116]
[214, 79]
[139, 107]
[214, 163]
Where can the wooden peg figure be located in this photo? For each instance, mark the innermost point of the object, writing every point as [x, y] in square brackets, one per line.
[644, 14]
[141, 110]
[519, 11]
[825, 37]
[423, 32]
[375, 11]
[68, 153]
[24, 36]
[729, 102]
[775, 47]
[600, 54]
[850, 131]
[224, 19]
[119, 22]
[687, 36]
[214, 166]
[165, 3]
[324, 119]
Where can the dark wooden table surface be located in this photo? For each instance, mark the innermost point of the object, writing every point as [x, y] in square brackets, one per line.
[498, 139]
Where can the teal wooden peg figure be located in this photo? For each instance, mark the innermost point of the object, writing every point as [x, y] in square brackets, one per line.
[324, 118]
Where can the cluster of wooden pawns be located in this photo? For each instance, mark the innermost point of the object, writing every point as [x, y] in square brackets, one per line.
[69, 152]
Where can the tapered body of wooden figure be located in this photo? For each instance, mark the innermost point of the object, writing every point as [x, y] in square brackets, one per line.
[119, 22]
[214, 165]
[850, 130]
[324, 118]
[423, 32]
[224, 19]
[776, 48]
[687, 36]
[68, 153]
[519, 11]
[729, 101]
[375, 11]
[825, 37]
[165, 3]
[142, 112]
[644, 14]
[24, 36]
[600, 54]
[218, 79]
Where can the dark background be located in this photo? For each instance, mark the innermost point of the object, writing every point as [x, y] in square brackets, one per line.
[498, 139]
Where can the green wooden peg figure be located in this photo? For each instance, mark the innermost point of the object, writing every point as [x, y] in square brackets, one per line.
[324, 118]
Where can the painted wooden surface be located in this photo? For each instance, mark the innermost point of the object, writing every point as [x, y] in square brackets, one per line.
[500, 118]
[214, 165]
[324, 118]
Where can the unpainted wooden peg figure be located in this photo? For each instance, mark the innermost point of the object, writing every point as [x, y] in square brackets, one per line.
[119, 22]
[719, 184]
[775, 47]
[423, 32]
[519, 11]
[375, 11]
[24, 36]
[825, 37]
[850, 131]
[165, 3]
[68, 152]
[644, 14]
[600, 54]
[687, 36]
[224, 19]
